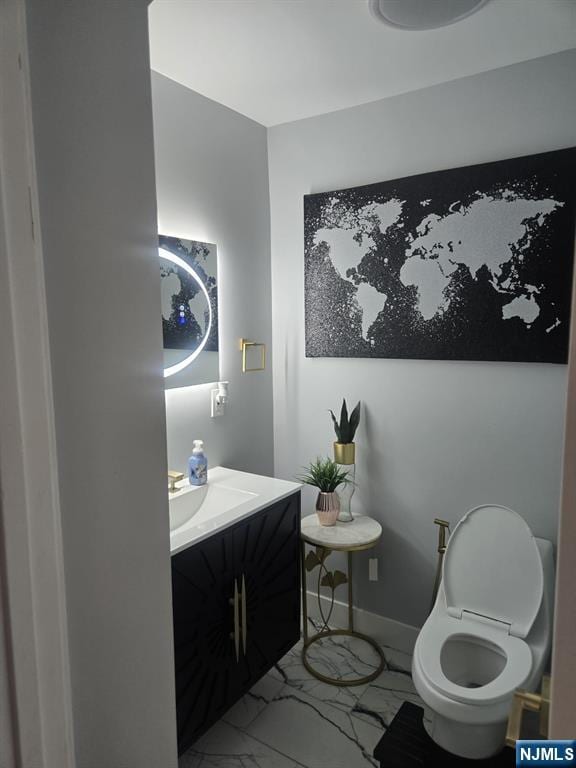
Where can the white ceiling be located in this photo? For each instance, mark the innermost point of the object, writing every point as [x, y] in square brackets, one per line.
[282, 60]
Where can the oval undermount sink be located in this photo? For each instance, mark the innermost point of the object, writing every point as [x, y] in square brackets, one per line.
[210, 500]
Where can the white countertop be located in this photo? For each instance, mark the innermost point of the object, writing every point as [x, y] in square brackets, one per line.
[264, 491]
[362, 533]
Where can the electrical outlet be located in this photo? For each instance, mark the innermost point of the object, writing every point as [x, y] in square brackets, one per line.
[373, 569]
[217, 407]
[219, 399]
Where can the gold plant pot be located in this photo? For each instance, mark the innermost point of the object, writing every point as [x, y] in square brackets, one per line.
[327, 508]
[345, 453]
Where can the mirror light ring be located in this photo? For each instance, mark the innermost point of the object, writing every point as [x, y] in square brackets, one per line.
[171, 370]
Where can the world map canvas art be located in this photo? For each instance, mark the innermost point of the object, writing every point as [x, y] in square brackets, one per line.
[472, 263]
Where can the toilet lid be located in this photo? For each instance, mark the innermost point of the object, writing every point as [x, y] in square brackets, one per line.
[492, 567]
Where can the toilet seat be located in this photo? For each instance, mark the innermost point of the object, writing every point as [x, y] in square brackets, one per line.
[492, 568]
[440, 629]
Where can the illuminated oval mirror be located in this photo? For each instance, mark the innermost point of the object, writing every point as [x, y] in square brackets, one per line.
[189, 289]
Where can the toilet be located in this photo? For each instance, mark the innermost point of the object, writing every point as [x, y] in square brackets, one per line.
[489, 632]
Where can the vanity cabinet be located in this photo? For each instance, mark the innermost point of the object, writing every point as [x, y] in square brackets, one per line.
[236, 604]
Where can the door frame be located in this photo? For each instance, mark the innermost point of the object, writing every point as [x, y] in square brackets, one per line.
[36, 703]
[563, 687]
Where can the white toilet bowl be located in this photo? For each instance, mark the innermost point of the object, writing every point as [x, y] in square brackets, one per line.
[489, 632]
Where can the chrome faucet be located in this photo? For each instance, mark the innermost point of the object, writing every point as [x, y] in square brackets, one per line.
[173, 478]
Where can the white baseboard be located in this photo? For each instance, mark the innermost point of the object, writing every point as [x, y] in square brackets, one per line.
[386, 631]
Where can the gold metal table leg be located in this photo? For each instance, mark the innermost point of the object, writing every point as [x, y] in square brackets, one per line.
[350, 598]
[304, 593]
[308, 641]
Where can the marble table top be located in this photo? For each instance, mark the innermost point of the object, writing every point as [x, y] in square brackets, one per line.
[362, 533]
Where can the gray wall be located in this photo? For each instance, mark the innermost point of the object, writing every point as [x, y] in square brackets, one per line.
[212, 185]
[94, 152]
[437, 438]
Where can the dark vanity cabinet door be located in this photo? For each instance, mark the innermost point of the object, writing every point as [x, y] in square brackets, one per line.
[266, 553]
[236, 605]
[205, 664]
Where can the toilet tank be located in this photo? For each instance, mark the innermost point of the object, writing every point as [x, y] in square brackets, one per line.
[540, 636]
[547, 554]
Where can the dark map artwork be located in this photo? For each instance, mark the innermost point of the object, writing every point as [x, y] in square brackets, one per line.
[467, 264]
[185, 306]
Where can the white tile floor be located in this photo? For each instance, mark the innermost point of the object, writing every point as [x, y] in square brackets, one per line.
[291, 719]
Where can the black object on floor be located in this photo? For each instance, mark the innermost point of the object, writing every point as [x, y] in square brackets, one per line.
[407, 745]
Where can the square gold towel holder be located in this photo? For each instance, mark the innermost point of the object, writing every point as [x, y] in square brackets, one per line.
[245, 345]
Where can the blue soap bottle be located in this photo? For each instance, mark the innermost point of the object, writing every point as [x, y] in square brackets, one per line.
[198, 465]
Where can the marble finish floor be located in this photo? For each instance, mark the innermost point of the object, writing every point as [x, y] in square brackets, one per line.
[289, 719]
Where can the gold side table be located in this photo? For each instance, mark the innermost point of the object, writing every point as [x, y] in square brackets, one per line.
[360, 534]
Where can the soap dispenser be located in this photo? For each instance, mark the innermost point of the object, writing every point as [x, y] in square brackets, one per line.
[198, 464]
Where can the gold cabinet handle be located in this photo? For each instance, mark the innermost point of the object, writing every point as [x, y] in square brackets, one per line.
[244, 622]
[534, 702]
[236, 634]
[236, 621]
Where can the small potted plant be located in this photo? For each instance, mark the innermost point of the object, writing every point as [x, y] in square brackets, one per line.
[345, 429]
[325, 475]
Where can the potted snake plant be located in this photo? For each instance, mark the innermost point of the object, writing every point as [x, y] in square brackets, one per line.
[345, 429]
[325, 475]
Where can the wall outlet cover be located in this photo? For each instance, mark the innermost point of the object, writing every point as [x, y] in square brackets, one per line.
[373, 569]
